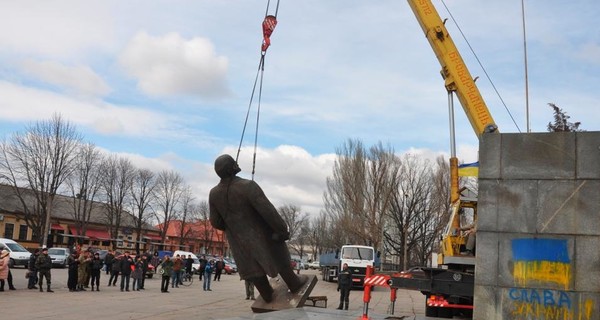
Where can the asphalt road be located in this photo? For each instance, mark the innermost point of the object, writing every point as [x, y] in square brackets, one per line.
[226, 300]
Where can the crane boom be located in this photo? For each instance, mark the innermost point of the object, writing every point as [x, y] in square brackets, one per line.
[456, 75]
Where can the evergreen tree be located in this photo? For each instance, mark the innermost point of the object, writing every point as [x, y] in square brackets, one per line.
[561, 121]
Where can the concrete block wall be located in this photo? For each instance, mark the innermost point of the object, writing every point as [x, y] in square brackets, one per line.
[538, 238]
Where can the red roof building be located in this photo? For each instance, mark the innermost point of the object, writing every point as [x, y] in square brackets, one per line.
[197, 237]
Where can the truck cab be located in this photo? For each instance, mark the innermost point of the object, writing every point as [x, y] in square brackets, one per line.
[357, 257]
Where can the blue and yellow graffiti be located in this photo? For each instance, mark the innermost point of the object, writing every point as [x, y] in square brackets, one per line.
[541, 260]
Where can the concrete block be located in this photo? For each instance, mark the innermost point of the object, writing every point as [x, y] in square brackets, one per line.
[558, 205]
[283, 298]
[587, 264]
[486, 265]
[486, 303]
[588, 155]
[517, 206]
[532, 303]
[489, 156]
[536, 275]
[487, 205]
[587, 207]
[538, 156]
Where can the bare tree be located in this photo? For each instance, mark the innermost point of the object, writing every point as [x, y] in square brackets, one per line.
[142, 195]
[317, 234]
[40, 159]
[84, 184]
[360, 191]
[169, 190]
[117, 178]
[418, 211]
[206, 230]
[297, 224]
[188, 215]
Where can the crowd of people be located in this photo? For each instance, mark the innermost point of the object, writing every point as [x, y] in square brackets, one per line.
[124, 270]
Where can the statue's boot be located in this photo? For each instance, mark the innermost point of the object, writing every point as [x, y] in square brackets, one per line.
[294, 282]
[263, 286]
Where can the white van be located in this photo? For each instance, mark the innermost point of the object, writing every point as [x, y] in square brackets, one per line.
[184, 255]
[19, 256]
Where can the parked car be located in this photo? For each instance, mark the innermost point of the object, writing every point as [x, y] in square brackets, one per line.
[230, 266]
[229, 269]
[59, 256]
[18, 254]
[314, 265]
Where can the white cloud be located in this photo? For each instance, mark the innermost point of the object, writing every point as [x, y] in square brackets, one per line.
[55, 28]
[81, 79]
[171, 65]
[20, 103]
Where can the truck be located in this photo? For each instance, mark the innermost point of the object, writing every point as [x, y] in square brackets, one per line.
[357, 257]
[449, 287]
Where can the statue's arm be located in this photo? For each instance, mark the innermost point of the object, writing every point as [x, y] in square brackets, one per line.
[269, 213]
[216, 220]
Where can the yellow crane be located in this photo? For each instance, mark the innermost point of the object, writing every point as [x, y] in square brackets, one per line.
[457, 80]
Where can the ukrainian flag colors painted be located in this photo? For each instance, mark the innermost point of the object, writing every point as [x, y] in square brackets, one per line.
[468, 169]
[541, 261]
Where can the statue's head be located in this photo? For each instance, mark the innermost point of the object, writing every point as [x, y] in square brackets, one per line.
[226, 167]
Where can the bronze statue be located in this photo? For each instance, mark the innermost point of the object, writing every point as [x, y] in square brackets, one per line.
[255, 230]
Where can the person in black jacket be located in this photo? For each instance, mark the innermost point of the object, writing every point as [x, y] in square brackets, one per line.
[145, 262]
[344, 286]
[33, 270]
[108, 259]
[203, 263]
[114, 271]
[96, 266]
[126, 263]
[73, 262]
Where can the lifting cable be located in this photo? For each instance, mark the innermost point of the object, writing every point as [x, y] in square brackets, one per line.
[482, 67]
[268, 26]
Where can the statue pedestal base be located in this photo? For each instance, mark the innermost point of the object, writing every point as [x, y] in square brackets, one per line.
[283, 298]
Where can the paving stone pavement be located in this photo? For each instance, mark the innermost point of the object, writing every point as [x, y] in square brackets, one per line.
[225, 301]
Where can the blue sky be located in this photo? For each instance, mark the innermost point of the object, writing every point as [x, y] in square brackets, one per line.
[167, 83]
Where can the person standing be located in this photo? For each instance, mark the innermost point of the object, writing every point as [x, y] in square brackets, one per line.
[144, 271]
[208, 270]
[82, 269]
[114, 271]
[249, 289]
[166, 269]
[189, 262]
[219, 266]
[44, 265]
[137, 274]
[73, 263]
[125, 269]
[108, 259]
[4, 267]
[96, 265]
[155, 261]
[176, 274]
[32, 270]
[203, 263]
[344, 286]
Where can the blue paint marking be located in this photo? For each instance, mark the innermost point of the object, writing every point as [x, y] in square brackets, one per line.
[554, 250]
